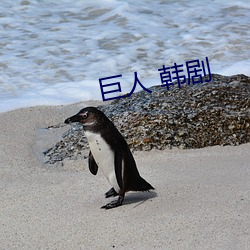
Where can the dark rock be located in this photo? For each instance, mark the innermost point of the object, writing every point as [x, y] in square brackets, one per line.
[195, 116]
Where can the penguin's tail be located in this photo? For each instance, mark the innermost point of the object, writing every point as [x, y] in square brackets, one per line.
[141, 185]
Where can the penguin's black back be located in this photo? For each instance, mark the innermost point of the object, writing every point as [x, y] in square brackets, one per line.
[131, 178]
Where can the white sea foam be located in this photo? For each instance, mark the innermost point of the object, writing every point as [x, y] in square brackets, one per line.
[54, 52]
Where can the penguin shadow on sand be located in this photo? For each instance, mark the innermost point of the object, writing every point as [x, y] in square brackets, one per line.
[138, 198]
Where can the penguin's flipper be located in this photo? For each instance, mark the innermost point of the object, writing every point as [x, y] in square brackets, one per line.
[93, 167]
[118, 166]
[111, 193]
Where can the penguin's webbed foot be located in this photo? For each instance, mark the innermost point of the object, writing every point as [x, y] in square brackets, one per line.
[113, 204]
[111, 193]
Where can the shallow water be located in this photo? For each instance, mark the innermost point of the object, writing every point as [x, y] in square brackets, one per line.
[55, 52]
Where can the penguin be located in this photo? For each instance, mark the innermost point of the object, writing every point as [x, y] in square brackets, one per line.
[110, 152]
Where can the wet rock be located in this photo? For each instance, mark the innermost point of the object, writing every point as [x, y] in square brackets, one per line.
[195, 116]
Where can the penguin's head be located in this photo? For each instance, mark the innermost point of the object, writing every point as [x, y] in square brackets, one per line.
[88, 117]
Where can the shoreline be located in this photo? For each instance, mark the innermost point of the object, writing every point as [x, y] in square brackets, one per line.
[201, 198]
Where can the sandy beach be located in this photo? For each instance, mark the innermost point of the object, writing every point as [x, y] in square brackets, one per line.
[201, 198]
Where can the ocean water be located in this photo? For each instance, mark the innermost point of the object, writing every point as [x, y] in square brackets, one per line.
[55, 52]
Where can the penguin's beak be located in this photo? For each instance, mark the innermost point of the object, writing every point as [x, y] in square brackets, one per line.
[74, 118]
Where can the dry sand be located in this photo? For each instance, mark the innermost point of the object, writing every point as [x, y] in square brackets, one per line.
[201, 201]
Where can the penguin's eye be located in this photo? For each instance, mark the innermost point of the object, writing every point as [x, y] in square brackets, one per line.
[84, 115]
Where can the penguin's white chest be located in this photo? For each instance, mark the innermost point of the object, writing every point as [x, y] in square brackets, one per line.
[104, 157]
